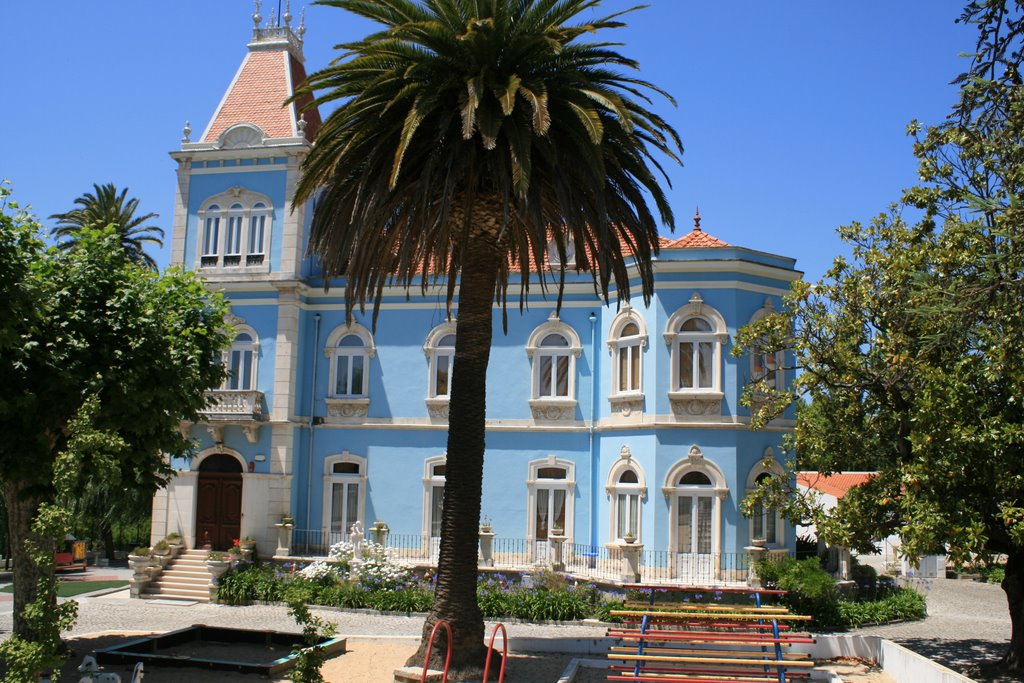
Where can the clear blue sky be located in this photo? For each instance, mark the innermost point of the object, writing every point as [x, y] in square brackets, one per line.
[793, 113]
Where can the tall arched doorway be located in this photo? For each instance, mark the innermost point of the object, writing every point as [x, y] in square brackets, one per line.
[219, 502]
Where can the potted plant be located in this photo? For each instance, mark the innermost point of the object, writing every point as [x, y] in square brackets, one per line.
[161, 549]
[247, 543]
[557, 530]
[485, 524]
[629, 537]
[140, 559]
[287, 520]
[217, 563]
[758, 542]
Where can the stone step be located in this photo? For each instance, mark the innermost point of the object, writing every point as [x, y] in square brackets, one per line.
[194, 596]
[164, 582]
[414, 674]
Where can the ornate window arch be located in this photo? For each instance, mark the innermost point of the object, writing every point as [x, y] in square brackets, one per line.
[349, 349]
[551, 488]
[627, 490]
[234, 231]
[696, 334]
[627, 338]
[344, 501]
[553, 348]
[766, 364]
[766, 523]
[695, 488]
[439, 349]
[242, 360]
[555, 258]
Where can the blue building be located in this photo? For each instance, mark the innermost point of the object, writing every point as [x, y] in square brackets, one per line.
[607, 422]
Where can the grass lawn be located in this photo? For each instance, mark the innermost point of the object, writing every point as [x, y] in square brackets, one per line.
[69, 589]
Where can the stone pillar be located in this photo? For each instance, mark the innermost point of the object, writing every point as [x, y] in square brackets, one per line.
[557, 543]
[631, 561]
[487, 548]
[843, 556]
[284, 540]
[755, 552]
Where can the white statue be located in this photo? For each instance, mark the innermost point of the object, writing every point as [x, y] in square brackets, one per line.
[356, 539]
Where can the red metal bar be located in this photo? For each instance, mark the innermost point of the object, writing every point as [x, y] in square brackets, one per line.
[702, 589]
[490, 651]
[430, 645]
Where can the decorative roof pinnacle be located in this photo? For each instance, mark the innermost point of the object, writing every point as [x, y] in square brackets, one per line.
[186, 132]
[301, 31]
[287, 16]
[696, 220]
[256, 16]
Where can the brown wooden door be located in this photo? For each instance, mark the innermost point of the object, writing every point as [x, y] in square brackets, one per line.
[219, 502]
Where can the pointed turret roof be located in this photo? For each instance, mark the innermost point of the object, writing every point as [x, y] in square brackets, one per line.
[269, 75]
[694, 239]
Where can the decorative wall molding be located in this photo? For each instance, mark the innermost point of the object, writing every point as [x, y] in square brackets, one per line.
[348, 407]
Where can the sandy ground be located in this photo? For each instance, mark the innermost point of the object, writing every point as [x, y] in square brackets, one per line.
[368, 660]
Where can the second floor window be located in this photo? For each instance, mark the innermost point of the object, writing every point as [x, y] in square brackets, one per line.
[553, 361]
[241, 362]
[350, 361]
[234, 230]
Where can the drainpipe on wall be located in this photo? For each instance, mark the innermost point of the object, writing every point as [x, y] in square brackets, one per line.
[593, 421]
[312, 418]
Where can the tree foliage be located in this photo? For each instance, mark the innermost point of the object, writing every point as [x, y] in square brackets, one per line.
[87, 335]
[106, 206]
[911, 352]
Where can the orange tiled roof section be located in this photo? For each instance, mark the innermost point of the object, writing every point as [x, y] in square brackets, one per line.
[257, 96]
[695, 239]
[834, 484]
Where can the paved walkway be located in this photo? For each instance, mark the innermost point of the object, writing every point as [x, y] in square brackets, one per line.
[967, 622]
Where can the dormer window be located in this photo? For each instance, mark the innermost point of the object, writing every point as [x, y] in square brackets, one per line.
[555, 259]
[235, 231]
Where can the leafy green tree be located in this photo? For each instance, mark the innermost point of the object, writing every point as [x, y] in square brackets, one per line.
[912, 352]
[470, 133]
[106, 206]
[88, 325]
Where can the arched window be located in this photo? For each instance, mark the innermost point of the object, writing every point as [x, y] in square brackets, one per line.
[241, 359]
[344, 493]
[766, 523]
[555, 259]
[350, 361]
[553, 349]
[695, 488]
[695, 335]
[434, 472]
[626, 340]
[766, 363]
[627, 490]
[241, 230]
[349, 349]
[550, 488]
[439, 349]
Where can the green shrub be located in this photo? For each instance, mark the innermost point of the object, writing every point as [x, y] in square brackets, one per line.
[247, 583]
[809, 589]
[902, 604]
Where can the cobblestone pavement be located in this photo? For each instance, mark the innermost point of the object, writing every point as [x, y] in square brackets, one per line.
[967, 625]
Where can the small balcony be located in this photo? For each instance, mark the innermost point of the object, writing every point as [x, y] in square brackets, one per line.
[234, 405]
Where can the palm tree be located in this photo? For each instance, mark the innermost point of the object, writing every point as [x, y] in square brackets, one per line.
[470, 133]
[108, 207]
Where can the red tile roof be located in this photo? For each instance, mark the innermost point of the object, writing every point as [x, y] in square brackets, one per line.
[257, 97]
[833, 484]
[695, 239]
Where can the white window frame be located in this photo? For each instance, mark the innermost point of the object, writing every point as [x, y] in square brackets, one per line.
[553, 407]
[672, 490]
[430, 480]
[437, 404]
[331, 478]
[777, 356]
[354, 406]
[614, 488]
[227, 213]
[534, 483]
[770, 466]
[627, 401]
[555, 259]
[242, 348]
[696, 400]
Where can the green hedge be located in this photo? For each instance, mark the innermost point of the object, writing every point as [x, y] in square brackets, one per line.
[812, 591]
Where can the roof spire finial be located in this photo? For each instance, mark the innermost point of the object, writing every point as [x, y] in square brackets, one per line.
[256, 16]
[287, 16]
[272, 22]
[696, 220]
[186, 132]
[301, 31]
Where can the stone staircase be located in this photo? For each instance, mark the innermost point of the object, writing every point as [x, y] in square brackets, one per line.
[184, 578]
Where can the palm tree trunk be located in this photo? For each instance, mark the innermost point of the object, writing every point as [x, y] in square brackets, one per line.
[21, 509]
[455, 590]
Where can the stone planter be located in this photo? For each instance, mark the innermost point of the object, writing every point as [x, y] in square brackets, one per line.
[176, 549]
[284, 539]
[218, 567]
[557, 541]
[140, 564]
